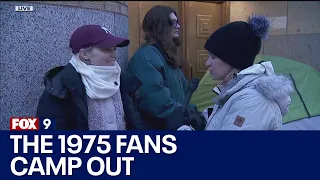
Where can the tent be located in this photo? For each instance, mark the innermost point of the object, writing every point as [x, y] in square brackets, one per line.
[304, 112]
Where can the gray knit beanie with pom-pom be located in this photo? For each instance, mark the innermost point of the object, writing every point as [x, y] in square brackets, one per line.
[239, 42]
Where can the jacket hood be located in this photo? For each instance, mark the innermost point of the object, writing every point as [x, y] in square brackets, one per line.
[53, 82]
[63, 79]
[274, 87]
[261, 77]
[51, 75]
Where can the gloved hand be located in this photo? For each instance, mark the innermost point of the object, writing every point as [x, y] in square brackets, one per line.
[176, 120]
[191, 117]
[197, 120]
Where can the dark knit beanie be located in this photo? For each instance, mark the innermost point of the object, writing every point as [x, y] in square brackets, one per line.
[239, 42]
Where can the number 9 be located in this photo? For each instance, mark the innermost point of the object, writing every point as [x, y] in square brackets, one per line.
[46, 123]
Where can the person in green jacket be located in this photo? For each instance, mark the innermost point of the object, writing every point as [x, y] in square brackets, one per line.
[163, 86]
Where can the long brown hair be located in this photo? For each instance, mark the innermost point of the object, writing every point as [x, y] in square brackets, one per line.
[158, 27]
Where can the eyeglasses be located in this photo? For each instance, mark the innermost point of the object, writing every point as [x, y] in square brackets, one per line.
[175, 23]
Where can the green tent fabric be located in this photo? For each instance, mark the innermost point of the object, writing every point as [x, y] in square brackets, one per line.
[306, 78]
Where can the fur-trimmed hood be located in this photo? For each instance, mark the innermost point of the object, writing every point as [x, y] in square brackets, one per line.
[274, 87]
[261, 77]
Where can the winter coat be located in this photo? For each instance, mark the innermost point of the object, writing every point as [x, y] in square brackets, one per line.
[65, 99]
[256, 99]
[161, 91]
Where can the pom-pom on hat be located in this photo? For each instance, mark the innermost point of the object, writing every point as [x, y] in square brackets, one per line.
[239, 42]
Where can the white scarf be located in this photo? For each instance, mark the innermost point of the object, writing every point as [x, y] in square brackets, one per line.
[99, 81]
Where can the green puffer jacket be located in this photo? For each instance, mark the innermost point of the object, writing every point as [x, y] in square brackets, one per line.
[162, 90]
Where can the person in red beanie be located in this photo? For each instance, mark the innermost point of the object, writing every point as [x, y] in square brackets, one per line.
[250, 96]
[84, 94]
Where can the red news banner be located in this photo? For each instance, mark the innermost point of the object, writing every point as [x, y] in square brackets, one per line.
[31, 123]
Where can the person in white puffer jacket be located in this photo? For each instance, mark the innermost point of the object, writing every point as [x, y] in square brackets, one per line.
[250, 96]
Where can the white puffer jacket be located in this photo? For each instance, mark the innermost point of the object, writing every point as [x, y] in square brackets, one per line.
[256, 99]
